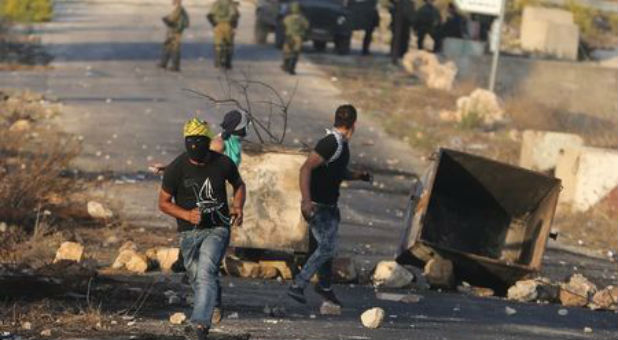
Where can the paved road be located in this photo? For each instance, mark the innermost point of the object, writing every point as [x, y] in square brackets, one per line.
[130, 113]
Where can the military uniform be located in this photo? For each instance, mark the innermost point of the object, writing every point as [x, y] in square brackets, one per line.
[296, 27]
[427, 22]
[407, 15]
[224, 16]
[176, 23]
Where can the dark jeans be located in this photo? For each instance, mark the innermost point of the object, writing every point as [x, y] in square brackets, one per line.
[323, 227]
[404, 42]
[367, 39]
[421, 33]
[203, 251]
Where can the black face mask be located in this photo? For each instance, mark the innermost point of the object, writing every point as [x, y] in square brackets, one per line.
[198, 148]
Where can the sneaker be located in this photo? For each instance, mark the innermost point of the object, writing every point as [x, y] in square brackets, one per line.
[327, 294]
[201, 332]
[297, 294]
[217, 315]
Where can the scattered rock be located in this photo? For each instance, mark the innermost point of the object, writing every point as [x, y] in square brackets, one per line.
[164, 256]
[439, 272]
[236, 267]
[587, 330]
[563, 312]
[282, 267]
[344, 270]
[428, 68]
[329, 308]
[178, 318]
[373, 318]
[475, 291]
[480, 108]
[71, 251]
[20, 125]
[128, 245]
[577, 291]
[113, 239]
[406, 298]
[267, 272]
[3, 227]
[27, 325]
[606, 298]
[46, 332]
[510, 311]
[98, 210]
[233, 316]
[523, 291]
[391, 275]
[131, 260]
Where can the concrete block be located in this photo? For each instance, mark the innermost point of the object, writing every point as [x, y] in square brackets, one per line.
[550, 31]
[540, 149]
[455, 48]
[588, 175]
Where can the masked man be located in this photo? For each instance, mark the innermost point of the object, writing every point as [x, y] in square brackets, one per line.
[194, 192]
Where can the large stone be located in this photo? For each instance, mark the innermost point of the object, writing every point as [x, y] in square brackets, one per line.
[178, 318]
[439, 272]
[282, 268]
[131, 260]
[128, 245]
[373, 318]
[344, 270]
[481, 107]
[98, 210]
[588, 175]
[523, 291]
[549, 31]
[427, 67]
[391, 275]
[71, 251]
[165, 257]
[606, 298]
[540, 150]
[272, 218]
[236, 267]
[577, 292]
[21, 125]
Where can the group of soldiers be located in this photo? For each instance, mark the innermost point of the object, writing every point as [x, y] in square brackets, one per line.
[224, 16]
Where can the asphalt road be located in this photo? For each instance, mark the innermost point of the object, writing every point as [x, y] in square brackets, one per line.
[129, 113]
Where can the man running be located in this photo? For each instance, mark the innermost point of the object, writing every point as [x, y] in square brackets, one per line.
[194, 192]
[320, 178]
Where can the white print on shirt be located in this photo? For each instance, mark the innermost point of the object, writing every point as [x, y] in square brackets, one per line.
[206, 201]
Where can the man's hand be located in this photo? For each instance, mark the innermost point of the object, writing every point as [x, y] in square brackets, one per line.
[194, 216]
[236, 216]
[307, 209]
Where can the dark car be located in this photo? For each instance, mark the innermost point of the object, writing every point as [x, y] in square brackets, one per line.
[330, 20]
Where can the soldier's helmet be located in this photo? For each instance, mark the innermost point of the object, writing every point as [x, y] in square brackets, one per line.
[295, 8]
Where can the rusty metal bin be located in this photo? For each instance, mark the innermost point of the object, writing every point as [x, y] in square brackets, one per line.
[491, 219]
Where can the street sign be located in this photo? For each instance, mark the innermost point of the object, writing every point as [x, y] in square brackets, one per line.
[489, 7]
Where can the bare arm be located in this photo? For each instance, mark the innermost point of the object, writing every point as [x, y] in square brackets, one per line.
[313, 161]
[238, 203]
[168, 207]
[217, 145]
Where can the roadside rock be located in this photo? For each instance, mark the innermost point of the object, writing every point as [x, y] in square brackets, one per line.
[282, 267]
[606, 298]
[390, 274]
[236, 267]
[523, 291]
[164, 256]
[577, 291]
[329, 308]
[128, 245]
[344, 270]
[466, 288]
[98, 210]
[510, 311]
[27, 325]
[267, 272]
[428, 68]
[439, 272]
[178, 318]
[71, 251]
[373, 318]
[46, 332]
[21, 125]
[131, 260]
[481, 107]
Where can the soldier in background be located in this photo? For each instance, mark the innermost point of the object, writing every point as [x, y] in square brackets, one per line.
[223, 16]
[402, 15]
[427, 22]
[176, 23]
[374, 22]
[296, 27]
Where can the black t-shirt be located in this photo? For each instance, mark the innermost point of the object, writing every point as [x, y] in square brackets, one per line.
[201, 186]
[326, 179]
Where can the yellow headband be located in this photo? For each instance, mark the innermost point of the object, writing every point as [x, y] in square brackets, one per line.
[196, 127]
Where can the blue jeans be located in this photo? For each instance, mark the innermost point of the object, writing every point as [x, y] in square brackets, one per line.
[203, 251]
[323, 227]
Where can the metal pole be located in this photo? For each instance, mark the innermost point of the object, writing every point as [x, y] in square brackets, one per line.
[494, 62]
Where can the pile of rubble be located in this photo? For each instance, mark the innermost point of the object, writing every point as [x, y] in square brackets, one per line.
[482, 108]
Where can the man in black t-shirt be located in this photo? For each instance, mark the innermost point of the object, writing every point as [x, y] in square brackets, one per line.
[194, 192]
[320, 178]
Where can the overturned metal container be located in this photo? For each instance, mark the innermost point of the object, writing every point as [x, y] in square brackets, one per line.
[491, 219]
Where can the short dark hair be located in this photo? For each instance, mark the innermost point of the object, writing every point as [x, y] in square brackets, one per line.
[345, 116]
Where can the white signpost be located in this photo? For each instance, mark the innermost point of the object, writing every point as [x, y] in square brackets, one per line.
[488, 7]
